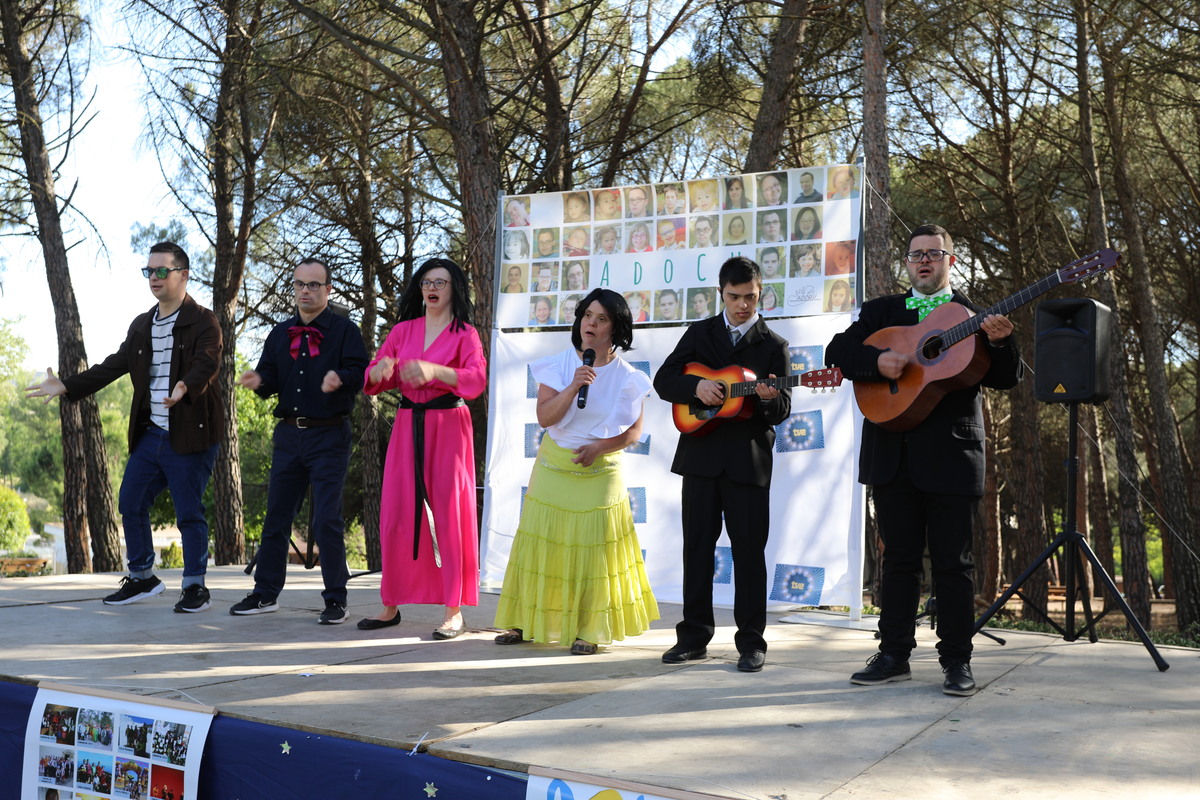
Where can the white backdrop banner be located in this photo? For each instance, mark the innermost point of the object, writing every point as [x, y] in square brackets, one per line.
[662, 246]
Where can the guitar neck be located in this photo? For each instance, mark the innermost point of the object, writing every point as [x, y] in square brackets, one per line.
[970, 327]
[746, 388]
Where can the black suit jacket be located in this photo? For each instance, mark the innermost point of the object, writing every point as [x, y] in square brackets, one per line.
[946, 452]
[740, 448]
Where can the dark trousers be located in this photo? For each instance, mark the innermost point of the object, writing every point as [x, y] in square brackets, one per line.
[153, 466]
[909, 520]
[747, 516]
[316, 456]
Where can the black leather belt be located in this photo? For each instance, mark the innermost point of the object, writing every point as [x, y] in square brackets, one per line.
[312, 422]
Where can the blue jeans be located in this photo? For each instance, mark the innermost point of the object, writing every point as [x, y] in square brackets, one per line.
[153, 466]
[316, 456]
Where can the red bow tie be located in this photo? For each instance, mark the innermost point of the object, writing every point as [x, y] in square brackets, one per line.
[296, 332]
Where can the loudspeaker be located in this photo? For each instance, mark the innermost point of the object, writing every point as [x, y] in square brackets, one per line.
[1071, 357]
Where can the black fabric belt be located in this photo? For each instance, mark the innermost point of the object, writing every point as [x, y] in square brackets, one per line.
[312, 422]
[421, 494]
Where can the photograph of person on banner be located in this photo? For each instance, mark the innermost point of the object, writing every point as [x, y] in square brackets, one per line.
[668, 234]
[541, 310]
[704, 232]
[772, 189]
[545, 277]
[637, 202]
[770, 260]
[516, 212]
[839, 296]
[575, 242]
[575, 276]
[808, 224]
[809, 191]
[608, 240]
[772, 226]
[566, 311]
[514, 275]
[547, 243]
[842, 182]
[736, 197]
[639, 238]
[735, 229]
[670, 199]
[577, 207]
[608, 204]
[839, 258]
[704, 196]
[806, 261]
[516, 246]
[667, 306]
[700, 303]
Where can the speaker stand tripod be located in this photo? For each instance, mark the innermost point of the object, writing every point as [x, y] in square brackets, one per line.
[1075, 548]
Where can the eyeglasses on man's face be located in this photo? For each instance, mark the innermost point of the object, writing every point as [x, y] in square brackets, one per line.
[437, 283]
[933, 256]
[159, 272]
[312, 286]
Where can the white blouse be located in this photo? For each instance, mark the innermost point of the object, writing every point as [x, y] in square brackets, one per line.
[614, 398]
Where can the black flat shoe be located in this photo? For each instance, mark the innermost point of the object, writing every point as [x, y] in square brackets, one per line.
[515, 636]
[444, 633]
[582, 648]
[370, 624]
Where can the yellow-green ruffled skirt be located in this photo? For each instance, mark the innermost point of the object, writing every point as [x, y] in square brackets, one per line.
[576, 569]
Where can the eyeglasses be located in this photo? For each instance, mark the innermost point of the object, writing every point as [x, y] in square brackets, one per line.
[159, 272]
[917, 256]
[439, 284]
[312, 286]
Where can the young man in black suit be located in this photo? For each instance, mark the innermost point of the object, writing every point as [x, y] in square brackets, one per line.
[926, 482]
[728, 470]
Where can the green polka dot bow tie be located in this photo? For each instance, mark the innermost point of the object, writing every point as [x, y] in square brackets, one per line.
[925, 305]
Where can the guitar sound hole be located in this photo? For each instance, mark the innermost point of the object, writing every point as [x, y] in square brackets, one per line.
[931, 349]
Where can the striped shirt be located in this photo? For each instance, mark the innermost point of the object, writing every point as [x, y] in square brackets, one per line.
[162, 337]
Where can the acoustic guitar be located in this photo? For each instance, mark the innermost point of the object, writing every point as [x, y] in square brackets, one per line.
[698, 419]
[945, 355]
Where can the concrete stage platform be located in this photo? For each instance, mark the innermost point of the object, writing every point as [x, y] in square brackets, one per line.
[1053, 719]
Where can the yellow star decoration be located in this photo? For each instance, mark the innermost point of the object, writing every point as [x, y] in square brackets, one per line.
[431, 790]
[287, 748]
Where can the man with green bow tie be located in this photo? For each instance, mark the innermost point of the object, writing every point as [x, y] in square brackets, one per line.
[926, 482]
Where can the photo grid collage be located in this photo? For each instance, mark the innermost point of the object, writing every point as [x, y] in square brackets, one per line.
[87, 753]
[799, 225]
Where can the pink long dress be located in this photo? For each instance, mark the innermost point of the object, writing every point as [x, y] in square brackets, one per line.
[449, 473]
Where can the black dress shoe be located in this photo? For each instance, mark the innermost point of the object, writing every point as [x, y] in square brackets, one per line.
[680, 654]
[370, 624]
[882, 668]
[752, 661]
[959, 680]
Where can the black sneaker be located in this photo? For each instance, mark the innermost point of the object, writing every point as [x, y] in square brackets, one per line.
[882, 668]
[959, 680]
[134, 589]
[253, 603]
[334, 613]
[194, 598]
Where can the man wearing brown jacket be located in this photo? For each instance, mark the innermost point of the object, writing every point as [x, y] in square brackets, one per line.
[171, 354]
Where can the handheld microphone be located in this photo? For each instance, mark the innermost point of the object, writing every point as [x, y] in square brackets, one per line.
[589, 358]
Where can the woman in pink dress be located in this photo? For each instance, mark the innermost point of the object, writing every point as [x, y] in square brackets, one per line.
[427, 523]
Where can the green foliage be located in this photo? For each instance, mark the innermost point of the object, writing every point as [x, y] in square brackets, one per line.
[171, 556]
[14, 520]
[1120, 633]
